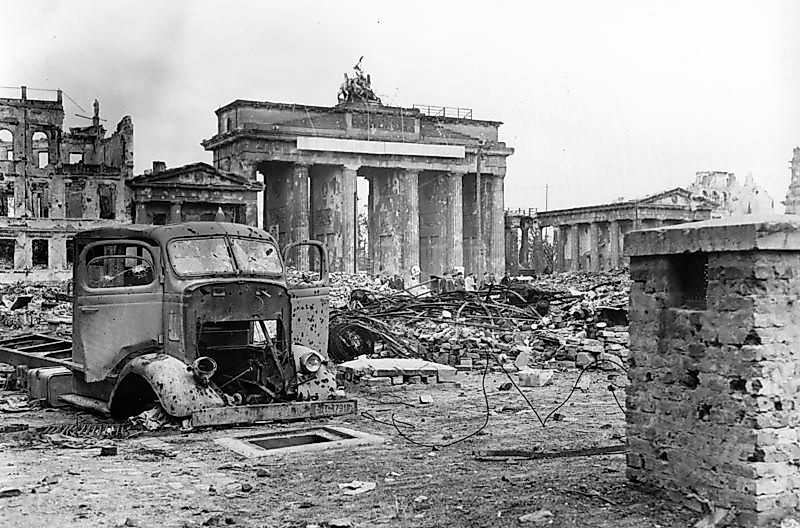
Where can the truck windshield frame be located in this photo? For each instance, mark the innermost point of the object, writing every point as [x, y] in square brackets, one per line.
[204, 257]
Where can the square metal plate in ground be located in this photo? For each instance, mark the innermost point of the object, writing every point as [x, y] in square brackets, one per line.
[297, 440]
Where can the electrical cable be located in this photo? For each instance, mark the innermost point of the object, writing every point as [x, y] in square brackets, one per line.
[543, 421]
[458, 440]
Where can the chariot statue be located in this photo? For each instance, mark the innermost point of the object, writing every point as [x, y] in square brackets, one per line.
[358, 88]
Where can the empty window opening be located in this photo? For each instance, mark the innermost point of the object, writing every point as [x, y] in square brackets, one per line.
[70, 251]
[41, 146]
[40, 200]
[7, 254]
[7, 144]
[41, 253]
[106, 195]
[6, 198]
[690, 280]
[75, 157]
[74, 197]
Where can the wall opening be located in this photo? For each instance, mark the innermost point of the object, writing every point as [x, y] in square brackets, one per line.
[70, 249]
[6, 145]
[40, 200]
[41, 253]
[6, 199]
[7, 253]
[75, 157]
[690, 280]
[363, 262]
[41, 147]
[74, 199]
[106, 195]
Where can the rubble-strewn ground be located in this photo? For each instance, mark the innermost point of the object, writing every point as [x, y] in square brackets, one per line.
[189, 481]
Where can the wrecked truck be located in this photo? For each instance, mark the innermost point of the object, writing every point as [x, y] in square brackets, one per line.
[202, 318]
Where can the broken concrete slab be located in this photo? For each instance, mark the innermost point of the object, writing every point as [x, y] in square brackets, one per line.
[410, 368]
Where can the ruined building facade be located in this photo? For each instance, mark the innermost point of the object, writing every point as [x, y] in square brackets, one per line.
[54, 183]
[194, 192]
[792, 201]
[730, 197]
[591, 238]
[435, 181]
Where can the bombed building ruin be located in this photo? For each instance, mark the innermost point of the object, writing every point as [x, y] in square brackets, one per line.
[54, 183]
[792, 201]
[194, 192]
[435, 179]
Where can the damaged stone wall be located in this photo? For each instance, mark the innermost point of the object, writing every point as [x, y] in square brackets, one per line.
[52, 181]
[712, 405]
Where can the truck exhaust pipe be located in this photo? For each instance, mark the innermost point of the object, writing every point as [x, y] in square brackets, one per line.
[203, 369]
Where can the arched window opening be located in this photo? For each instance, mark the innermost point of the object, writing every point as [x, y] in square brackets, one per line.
[6, 145]
[41, 147]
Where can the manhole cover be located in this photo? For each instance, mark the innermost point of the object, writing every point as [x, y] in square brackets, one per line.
[297, 440]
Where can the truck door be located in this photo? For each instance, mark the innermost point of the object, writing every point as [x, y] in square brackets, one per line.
[118, 298]
[307, 280]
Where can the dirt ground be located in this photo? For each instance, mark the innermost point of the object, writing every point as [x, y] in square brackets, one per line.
[183, 480]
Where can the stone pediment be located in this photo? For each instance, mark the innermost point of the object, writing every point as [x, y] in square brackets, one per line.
[194, 175]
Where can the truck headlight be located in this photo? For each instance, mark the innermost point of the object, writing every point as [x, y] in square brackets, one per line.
[311, 362]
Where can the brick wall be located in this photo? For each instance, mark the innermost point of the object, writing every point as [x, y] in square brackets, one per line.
[713, 396]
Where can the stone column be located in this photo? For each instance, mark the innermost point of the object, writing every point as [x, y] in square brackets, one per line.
[574, 247]
[349, 218]
[613, 240]
[559, 247]
[594, 246]
[297, 204]
[496, 259]
[524, 255]
[174, 213]
[512, 244]
[394, 219]
[332, 214]
[440, 222]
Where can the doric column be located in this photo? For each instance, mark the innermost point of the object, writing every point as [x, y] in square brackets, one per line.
[524, 255]
[574, 248]
[174, 213]
[496, 258]
[349, 218]
[512, 244]
[297, 206]
[333, 214]
[441, 220]
[558, 249]
[613, 240]
[594, 246]
[394, 221]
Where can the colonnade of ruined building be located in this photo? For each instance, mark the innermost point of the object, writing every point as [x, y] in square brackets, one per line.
[435, 181]
[591, 238]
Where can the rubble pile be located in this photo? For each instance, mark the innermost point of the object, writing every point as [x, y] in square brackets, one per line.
[343, 284]
[34, 306]
[568, 320]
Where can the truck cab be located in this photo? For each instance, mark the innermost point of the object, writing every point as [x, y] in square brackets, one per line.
[204, 319]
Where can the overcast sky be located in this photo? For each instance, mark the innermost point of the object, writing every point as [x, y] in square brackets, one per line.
[600, 99]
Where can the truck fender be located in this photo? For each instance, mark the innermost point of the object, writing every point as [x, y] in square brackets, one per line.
[321, 386]
[173, 384]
